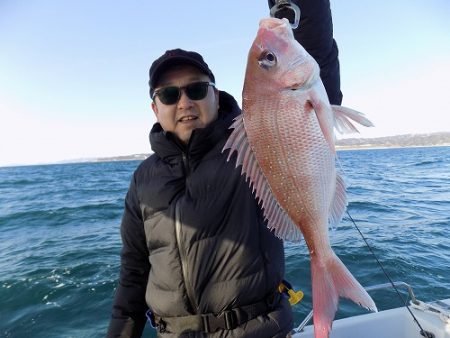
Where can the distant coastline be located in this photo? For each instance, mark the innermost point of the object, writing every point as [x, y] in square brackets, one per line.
[441, 139]
[373, 147]
[400, 141]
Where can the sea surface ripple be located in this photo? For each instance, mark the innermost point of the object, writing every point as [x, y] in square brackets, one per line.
[60, 241]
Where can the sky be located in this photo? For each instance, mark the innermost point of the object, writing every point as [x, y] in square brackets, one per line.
[74, 74]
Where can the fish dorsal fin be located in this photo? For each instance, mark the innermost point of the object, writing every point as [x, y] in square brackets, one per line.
[339, 202]
[277, 219]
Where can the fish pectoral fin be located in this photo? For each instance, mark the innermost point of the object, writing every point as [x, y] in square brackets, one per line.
[342, 117]
[324, 117]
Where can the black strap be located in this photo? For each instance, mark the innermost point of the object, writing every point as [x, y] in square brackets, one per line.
[225, 320]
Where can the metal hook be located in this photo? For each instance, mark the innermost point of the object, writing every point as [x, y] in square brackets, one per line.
[286, 9]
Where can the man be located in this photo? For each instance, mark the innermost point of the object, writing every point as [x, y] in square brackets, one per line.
[196, 250]
[195, 245]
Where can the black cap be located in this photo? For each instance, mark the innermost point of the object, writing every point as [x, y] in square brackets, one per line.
[176, 57]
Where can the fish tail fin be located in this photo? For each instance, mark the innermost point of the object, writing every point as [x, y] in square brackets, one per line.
[342, 117]
[330, 281]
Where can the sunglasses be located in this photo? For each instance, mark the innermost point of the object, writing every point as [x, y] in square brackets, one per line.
[194, 91]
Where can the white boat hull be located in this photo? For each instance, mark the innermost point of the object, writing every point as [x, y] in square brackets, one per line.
[394, 323]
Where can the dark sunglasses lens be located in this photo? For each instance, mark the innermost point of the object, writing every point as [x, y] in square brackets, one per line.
[197, 90]
[169, 95]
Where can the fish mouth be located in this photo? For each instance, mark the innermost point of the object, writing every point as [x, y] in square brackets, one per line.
[275, 24]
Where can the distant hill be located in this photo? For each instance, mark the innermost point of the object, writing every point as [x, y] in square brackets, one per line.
[409, 140]
[132, 157]
[399, 141]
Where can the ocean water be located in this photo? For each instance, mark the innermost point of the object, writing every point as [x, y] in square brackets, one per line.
[60, 244]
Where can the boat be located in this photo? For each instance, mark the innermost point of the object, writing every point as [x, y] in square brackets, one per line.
[427, 319]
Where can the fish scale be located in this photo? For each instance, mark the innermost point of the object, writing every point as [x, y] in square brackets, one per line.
[291, 160]
[284, 141]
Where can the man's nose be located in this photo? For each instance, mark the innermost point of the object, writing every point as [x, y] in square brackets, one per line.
[184, 100]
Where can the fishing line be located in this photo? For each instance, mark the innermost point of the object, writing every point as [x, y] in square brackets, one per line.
[422, 331]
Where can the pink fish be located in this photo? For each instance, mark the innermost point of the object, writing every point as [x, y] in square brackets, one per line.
[284, 141]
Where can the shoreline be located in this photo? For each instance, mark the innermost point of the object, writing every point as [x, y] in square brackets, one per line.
[380, 147]
[142, 157]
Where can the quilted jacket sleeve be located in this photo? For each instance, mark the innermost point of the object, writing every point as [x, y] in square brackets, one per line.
[128, 314]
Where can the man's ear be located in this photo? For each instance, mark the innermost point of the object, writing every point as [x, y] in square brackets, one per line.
[216, 93]
[155, 108]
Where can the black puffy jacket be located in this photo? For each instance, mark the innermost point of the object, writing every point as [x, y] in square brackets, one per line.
[194, 240]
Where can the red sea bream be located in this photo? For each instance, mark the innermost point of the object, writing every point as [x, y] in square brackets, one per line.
[284, 141]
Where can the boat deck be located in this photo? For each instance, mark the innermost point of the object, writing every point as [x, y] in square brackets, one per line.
[434, 317]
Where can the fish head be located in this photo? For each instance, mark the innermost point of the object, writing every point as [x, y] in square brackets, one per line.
[277, 62]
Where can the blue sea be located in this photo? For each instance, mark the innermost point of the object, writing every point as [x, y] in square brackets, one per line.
[60, 243]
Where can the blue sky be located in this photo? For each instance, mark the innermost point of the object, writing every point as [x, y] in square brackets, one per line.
[73, 74]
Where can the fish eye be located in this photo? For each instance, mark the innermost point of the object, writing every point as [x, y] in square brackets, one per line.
[267, 59]
[270, 57]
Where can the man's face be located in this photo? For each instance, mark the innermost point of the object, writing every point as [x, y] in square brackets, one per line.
[185, 115]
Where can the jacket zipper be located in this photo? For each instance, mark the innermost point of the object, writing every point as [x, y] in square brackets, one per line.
[183, 256]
